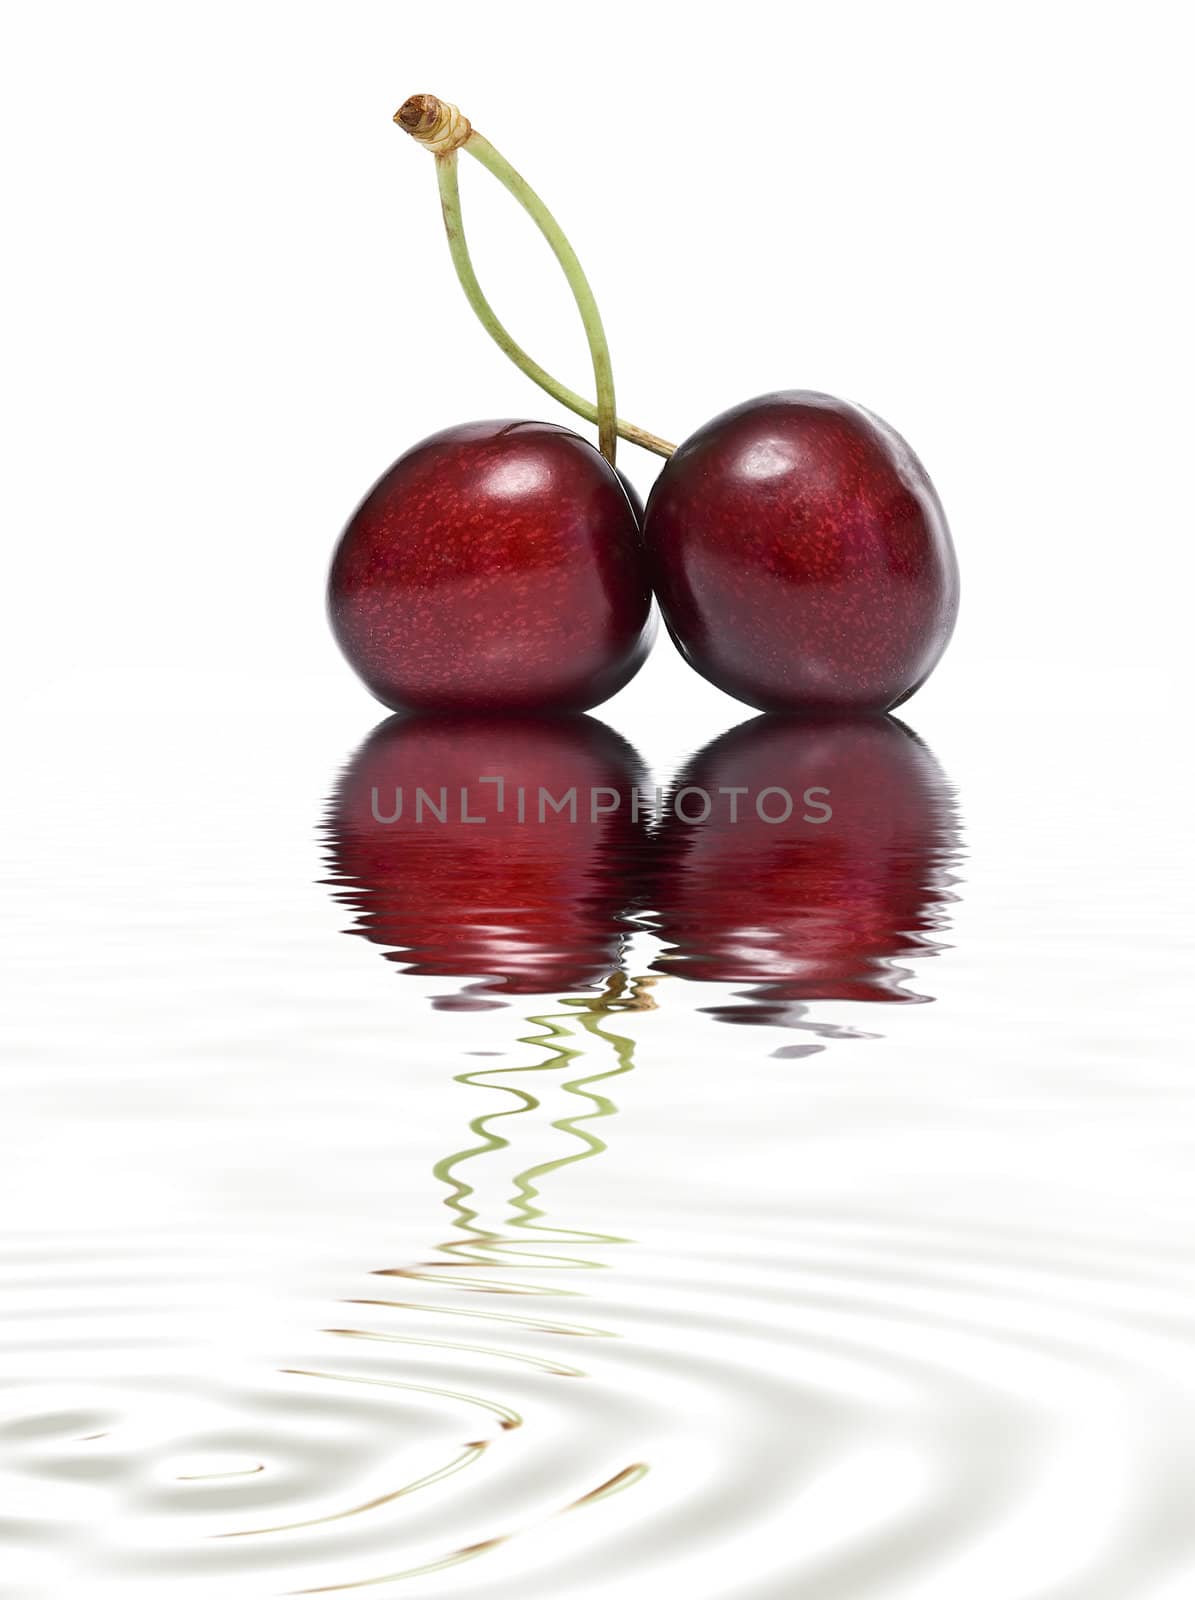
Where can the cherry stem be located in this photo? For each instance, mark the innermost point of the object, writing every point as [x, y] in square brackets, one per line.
[442, 128]
[450, 204]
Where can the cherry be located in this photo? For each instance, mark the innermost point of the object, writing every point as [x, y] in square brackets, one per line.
[527, 901]
[798, 550]
[801, 556]
[797, 547]
[495, 566]
[815, 906]
[633, 496]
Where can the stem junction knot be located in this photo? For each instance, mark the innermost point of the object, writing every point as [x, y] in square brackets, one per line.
[434, 123]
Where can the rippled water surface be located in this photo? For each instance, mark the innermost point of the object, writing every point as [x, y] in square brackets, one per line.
[554, 1205]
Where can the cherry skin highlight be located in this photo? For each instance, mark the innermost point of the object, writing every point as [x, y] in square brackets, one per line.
[496, 566]
[801, 557]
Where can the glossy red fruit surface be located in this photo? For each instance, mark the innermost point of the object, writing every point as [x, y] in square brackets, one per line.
[532, 899]
[827, 903]
[495, 566]
[801, 557]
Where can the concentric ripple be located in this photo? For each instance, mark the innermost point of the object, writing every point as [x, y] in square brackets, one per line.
[558, 1285]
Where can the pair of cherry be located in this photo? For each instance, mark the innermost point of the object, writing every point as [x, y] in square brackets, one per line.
[796, 545]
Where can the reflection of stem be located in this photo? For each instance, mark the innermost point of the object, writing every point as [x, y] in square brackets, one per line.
[494, 1247]
[589, 1014]
[491, 1248]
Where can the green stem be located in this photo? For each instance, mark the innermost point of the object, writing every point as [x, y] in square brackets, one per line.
[450, 204]
[482, 150]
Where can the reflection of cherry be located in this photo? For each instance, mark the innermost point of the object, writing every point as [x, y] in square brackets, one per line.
[806, 909]
[526, 902]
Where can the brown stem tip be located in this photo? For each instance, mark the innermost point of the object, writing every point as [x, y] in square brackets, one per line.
[434, 123]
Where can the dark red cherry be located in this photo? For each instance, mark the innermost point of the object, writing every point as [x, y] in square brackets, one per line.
[633, 496]
[801, 557]
[823, 903]
[496, 566]
[536, 897]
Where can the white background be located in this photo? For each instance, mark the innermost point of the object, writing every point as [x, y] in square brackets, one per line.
[229, 305]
